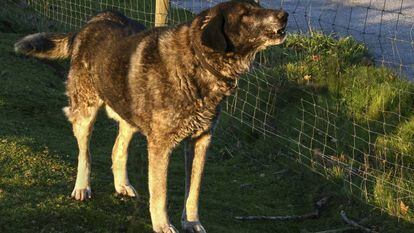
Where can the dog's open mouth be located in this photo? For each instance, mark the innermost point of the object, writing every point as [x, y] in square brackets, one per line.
[281, 32]
[276, 34]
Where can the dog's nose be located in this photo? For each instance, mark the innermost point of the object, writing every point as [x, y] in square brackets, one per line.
[282, 15]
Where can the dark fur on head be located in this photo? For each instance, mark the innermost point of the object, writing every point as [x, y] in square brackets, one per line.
[213, 35]
[239, 26]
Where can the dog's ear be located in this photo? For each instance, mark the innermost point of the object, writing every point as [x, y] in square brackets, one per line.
[213, 35]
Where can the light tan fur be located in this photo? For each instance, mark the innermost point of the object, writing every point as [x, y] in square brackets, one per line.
[82, 129]
[158, 160]
[120, 155]
[195, 157]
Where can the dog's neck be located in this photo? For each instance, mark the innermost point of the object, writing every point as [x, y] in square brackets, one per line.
[207, 75]
[229, 81]
[225, 66]
[222, 69]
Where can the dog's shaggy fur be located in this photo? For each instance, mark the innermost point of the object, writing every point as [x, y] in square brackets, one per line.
[166, 83]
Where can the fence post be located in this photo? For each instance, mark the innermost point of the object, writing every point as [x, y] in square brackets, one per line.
[161, 12]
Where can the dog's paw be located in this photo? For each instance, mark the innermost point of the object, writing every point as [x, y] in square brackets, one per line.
[193, 227]
[126, 190]
[167, 229]
[82, 194]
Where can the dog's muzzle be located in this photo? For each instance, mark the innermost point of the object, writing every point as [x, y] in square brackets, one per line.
[278, 28]
[281, 32]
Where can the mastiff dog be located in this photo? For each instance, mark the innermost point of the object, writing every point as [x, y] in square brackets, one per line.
[166, 83]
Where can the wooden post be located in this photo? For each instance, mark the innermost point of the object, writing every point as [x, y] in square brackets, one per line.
[161, 12]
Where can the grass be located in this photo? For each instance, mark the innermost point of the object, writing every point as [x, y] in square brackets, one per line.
[349, 114]
[246, 173]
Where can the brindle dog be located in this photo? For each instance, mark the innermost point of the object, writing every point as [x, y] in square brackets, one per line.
[166, 83]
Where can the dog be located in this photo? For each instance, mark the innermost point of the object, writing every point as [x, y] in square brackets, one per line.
[166, 83]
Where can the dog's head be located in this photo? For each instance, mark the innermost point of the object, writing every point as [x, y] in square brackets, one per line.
[239, 26]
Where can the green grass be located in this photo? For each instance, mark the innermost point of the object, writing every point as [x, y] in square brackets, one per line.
[245, 172]
[333, 100]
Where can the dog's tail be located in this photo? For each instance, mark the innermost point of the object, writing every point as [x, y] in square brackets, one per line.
[46, 45]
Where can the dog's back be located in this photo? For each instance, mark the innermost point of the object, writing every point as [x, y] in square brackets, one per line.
[100, 55]
[55, 45]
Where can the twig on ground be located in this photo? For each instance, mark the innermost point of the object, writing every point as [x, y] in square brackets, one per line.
[280, 218]
[321, 203]
[318, 207]
[353, 223]
[280, 172]
[339, 230]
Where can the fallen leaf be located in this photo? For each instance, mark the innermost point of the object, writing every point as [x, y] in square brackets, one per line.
[403, 208]
[316, 57]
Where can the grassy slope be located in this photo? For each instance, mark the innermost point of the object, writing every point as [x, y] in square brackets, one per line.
[370, 102]
[38, 161]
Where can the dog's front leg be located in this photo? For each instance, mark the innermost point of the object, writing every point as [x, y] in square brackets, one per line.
[195, 157]
[158, 160]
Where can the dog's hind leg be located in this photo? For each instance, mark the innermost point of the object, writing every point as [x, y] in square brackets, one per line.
[82, 124]
[120, 155]
[82, 111]
[195, 157]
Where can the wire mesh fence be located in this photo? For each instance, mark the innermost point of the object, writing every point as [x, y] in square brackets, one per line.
[385, 26]
[312, 100]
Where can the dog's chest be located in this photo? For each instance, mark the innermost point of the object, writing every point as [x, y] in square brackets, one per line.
[195, 120]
